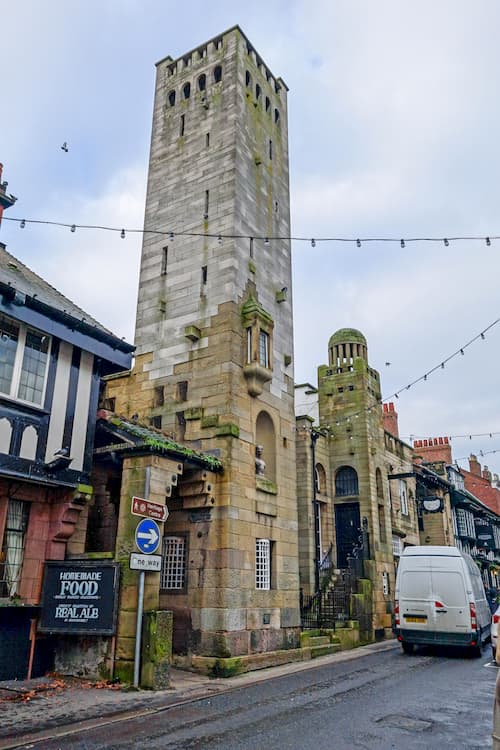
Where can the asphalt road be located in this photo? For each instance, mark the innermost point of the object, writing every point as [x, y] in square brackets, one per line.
[433, 700]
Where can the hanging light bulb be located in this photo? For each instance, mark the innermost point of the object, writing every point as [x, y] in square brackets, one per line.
[446, 243]
[22, 224]
[488, 241]
[73, 227]
[425, 377]
[122, 234]
[442, 365]
[462, 352]
[483, 336]
[171, 235]
[266, 241]
[403, 244]
[219, 239]
[313, 243]
[358, 243]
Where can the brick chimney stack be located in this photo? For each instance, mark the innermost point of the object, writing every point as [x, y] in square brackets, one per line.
[433, 449]
[474, 465]
[390, 419]
[486, 474]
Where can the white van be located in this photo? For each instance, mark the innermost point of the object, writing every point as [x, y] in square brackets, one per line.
[440, 599]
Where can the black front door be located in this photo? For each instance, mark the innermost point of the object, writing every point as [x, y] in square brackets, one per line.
[348, 530]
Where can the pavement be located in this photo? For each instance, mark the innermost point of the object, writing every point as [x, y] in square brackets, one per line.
[58, 706]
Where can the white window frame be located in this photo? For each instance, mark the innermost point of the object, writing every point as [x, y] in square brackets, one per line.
[17, 371]
[264, 349]
[263, 564]
[403, 497]
[13, 542]
[173, 575]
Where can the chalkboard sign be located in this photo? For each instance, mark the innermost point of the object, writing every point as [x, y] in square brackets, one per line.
[80, 597]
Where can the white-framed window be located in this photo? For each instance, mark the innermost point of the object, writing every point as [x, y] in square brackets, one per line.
[263, 564]
[24, 358]
[12, 549]
[173, 564]
[397, 546]
[264, 349]
[403, 497]
[249, 344]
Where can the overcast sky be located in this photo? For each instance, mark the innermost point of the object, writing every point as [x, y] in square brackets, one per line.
[394, 132]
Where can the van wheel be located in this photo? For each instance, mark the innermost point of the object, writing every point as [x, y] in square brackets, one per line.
[407, 648]
[477, 651]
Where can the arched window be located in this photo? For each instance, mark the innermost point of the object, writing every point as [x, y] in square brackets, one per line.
[218, 73]
[202, 82]
[258, 92]
[320, 476]
[248, 79]
[171, 98]
[186, 91]
[346, 481]
[266, 437]
[378, 481]
[276, 117]
[268, 104]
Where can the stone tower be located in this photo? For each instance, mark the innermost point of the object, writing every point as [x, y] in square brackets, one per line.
[214, 338]
[350, 406]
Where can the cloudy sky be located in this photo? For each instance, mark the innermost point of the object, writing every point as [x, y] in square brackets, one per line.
[393, 124]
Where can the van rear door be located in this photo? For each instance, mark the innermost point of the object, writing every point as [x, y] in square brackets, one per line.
[450, 601]
[415, 596]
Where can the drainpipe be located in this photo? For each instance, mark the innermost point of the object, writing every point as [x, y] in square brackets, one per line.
[317, 536]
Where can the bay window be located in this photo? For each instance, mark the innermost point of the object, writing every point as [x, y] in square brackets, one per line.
[24, 356]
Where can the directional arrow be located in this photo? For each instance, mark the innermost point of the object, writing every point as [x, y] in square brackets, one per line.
[147, 536]
[150, 535]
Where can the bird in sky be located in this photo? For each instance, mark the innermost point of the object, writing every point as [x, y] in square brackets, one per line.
[64, 147]
[387, 364]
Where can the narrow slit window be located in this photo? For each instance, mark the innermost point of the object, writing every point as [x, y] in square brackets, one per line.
[251, 247]
[182, 125]
[207, 140]
[248, 79]
[217, 74]
[276, 116]
[258, 92]
[207, 201]
[249, 345]
[202, 82]
[204, 274]
[164, 261]
[186, 91]
[171, 98]
[159, 397]
[270, 150]
[264, 349]
[268, 104]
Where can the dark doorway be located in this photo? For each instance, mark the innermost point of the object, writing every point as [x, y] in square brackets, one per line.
[348, 530]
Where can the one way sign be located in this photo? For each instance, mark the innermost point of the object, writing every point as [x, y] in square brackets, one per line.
[147, 536]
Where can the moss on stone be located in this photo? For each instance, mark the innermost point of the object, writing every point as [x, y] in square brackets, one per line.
[227, 667]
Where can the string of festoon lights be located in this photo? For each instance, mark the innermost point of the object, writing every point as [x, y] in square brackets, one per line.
[358, 241]
[221, 236]
[460, 352]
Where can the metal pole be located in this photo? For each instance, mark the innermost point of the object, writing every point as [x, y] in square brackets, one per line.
[140, 599]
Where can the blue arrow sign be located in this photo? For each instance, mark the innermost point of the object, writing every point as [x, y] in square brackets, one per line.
[147, 536]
